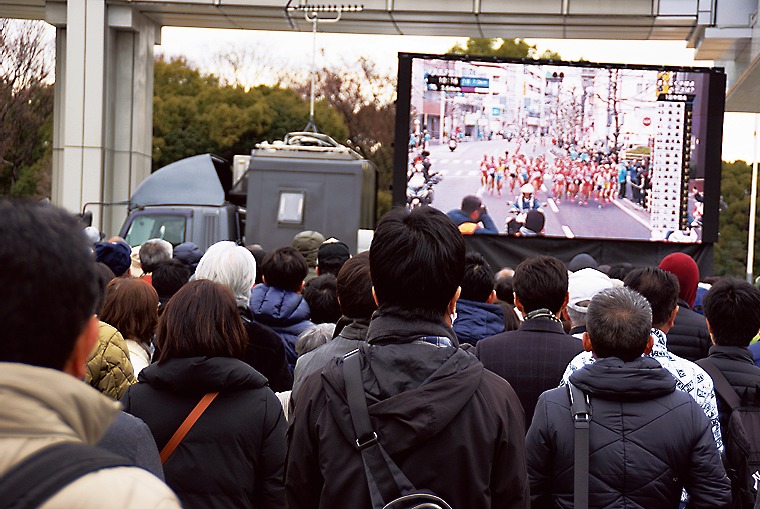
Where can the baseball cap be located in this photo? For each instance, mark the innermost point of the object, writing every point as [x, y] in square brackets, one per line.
[333, 251]
[583, 285]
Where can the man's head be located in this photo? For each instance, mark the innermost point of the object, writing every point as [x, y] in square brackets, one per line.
[331, 256]
[618, 324]
[732, 311]
[478, 281]
[471, 205]
[417, 263]
[582, 286]
[45, 258]
[169, 277]
[355, 288]
[540, 282]
[232, 266]
[686, 271]
[153, 252]
[505, 292]
[307, 243]
[285, 268]
[321, 294]
[117, 255]
[660, 288]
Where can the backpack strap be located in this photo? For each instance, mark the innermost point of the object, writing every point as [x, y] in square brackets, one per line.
[39, 476]
[581, 410]
[385, 480]
[722, 385]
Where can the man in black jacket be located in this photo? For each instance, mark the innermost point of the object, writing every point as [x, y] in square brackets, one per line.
[647, 441]
[533, 358]
[450, 426]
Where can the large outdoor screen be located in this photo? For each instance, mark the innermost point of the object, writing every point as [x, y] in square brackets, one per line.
[597, 151]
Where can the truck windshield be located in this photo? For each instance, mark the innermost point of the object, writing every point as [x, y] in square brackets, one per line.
[145, 227]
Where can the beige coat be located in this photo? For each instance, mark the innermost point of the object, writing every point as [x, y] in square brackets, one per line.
[109, 369]
[43, 406]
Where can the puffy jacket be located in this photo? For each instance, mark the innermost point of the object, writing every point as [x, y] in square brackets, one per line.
[477, 320]
[283, 311]
[451, 426]
[646, 442]
[43, 406]
[689, 337]
[233, 456]
[736, 364]
[109, 369]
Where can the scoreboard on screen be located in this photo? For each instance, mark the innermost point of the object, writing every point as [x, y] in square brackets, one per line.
[464, 84]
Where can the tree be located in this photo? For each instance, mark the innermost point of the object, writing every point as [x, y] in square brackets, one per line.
[194, 113]
[26, 110]
[504, 48]
[731, 250]
[364, 98]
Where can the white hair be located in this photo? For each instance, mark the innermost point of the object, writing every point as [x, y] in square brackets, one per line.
[232, 266]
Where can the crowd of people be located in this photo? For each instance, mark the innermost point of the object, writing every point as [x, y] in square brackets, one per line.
[235, 378]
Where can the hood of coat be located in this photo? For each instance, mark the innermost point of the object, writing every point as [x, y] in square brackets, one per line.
[42, 402]
[477, 320]
[413, 391]
[272, 306]
[613, 379]
[191, 375]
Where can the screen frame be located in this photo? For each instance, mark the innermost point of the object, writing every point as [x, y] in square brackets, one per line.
[716, 98]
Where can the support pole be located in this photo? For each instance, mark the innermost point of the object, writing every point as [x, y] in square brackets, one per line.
[752, 207]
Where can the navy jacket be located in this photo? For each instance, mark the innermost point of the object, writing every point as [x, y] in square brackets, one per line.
[532, 358]
[459, 216]
[283, 311]
[477, 320]
[646, 442]
[689, 337]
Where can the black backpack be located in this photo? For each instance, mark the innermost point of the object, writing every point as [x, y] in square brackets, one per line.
[741, 441]
[35, 479]
[389, 488]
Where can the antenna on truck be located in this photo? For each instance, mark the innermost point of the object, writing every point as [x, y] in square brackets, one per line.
[313, 13]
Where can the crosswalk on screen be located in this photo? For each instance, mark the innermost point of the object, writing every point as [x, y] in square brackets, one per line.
[567, 150]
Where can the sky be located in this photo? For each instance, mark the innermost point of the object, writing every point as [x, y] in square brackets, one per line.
[264, 51]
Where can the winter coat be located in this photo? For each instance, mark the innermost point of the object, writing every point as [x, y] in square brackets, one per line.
[451, 426]
[736, 364]
[531, 358]
[266, 353]
[646, 442]
[233, 456]
[109, 368]
[283, 311]
[44, 406]
[349, 339]
[477, 320]
[689, 337]
[131, 438]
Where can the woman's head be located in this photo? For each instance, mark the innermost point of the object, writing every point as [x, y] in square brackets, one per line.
[131, 305]
[201, 320]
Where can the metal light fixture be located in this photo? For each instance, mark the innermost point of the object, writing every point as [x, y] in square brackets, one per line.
[314, 14]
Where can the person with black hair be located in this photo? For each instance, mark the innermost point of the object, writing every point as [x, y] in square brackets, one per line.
[473, 218]
[277, 302]
[168, 277]
[478, 316]
[533, 357]
[732, 310]
[646, 440]
[504, 290]
[42, 361]
[354, 289]
[321, 294]
[451, 426]
[109, 368]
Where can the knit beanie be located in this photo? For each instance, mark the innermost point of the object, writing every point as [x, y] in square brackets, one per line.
[685, 269]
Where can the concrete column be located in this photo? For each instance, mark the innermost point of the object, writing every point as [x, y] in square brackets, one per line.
[103, 106]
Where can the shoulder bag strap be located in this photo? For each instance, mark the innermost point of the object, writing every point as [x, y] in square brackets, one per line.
[188, 423]
[581, 410]
[34, 480]
[385, 480]
[722, 385]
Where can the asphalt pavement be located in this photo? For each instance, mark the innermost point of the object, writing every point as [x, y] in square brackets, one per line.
[620, 219]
